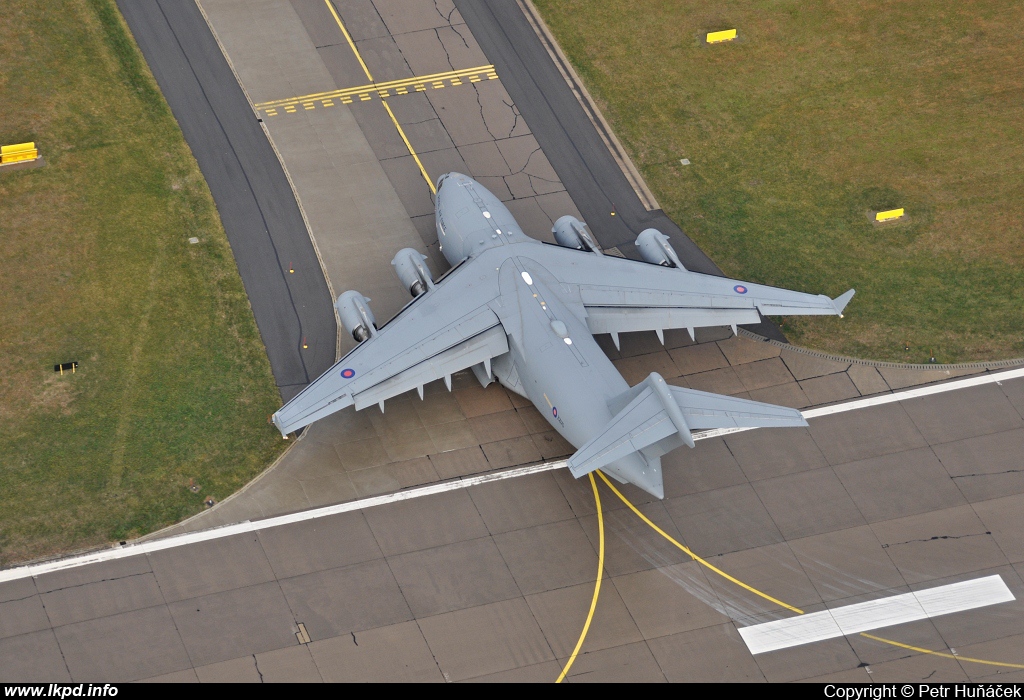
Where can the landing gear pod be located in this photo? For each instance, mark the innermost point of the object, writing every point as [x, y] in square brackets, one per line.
[655, 248]
[356, 317]
[412, 271]
[570, 232]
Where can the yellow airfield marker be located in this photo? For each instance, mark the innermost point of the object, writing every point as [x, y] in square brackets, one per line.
[889, 215]
[18, 152]
[718, 37]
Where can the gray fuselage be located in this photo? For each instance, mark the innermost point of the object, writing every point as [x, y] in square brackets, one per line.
[553, 360]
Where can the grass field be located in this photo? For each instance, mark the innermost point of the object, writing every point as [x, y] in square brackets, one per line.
[820, 113]
[174, 384]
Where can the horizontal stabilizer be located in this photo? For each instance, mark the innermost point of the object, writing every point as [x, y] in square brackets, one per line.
[644, 421]
[705, 411]
[656, 418]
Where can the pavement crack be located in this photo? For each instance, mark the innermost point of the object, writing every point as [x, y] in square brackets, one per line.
[526, 164]
[515, 119]
[16, 600]
[448, 56]
[939, 537]
[930, 675]
[461, 36]
[354, 639]
[256, 663]
[90, 583]
[482, 117]
[446, 17]
[1008, 471]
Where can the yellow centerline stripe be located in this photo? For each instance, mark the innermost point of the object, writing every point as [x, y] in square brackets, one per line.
[396, 85]
[597, 583]
[939, 653]
[348, 38]
[693, 556]
[387, 107]
[412, 152]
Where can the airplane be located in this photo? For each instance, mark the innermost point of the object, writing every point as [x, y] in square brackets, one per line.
[524, 313]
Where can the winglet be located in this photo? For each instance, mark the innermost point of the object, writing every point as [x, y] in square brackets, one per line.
[841, 301]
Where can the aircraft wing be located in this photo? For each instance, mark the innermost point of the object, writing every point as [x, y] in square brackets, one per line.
[656, 418]
[443, 331]
[623, 295]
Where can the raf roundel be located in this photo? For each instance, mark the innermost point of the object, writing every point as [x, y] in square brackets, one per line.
[348, 373]
[554, 411]
[739, 289]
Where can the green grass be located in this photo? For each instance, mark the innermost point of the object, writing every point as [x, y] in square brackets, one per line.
[174, 384]
[818, 114]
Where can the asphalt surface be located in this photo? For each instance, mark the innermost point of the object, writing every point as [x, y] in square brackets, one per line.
[253, 197]
[493, 582]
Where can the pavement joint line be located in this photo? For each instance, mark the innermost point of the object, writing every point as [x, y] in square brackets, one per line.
[930, 367]
[129, 550]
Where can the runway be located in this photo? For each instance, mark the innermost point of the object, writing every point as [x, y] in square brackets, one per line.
[493, 582]
[470, 574]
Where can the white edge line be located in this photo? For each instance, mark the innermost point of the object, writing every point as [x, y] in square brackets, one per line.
[130, 550]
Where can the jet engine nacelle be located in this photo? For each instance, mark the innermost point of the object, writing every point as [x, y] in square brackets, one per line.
[655, 248]
[356, 317]
[570, 232]
[411, 270]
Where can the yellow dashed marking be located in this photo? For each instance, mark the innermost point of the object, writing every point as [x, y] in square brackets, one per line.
[391, 88]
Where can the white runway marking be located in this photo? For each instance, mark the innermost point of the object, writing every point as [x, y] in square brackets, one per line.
[131, 550]
[886, 612]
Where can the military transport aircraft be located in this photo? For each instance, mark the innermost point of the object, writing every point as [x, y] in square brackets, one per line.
[523, 313]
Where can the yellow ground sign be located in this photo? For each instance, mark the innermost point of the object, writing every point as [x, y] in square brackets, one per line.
[889, 215]
[726, 35]
[18, 152]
